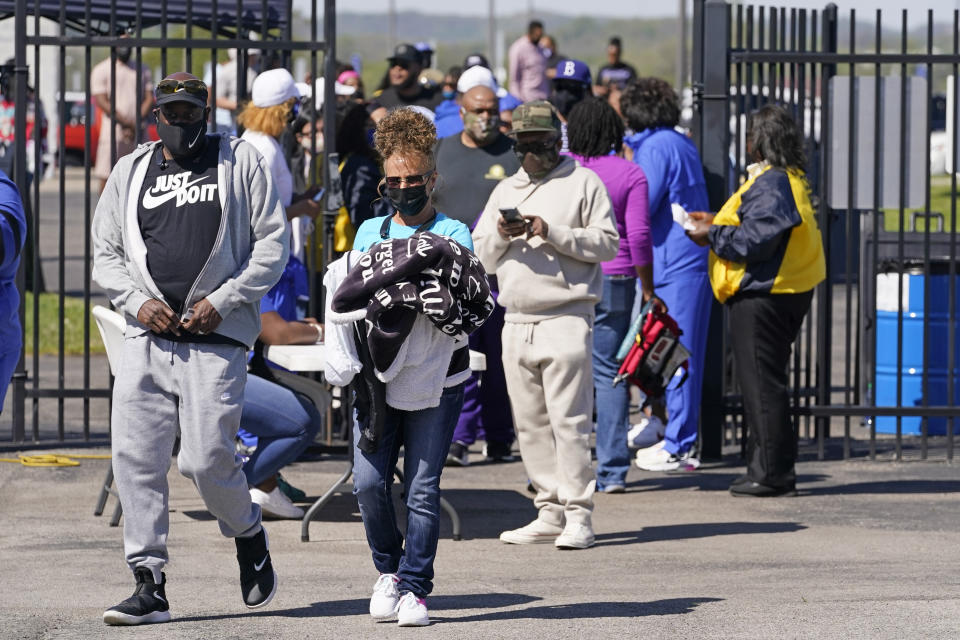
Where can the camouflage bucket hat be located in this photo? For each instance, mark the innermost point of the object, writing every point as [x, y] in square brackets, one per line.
[535, 116]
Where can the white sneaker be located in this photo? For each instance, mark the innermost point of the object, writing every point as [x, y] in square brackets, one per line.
[383, 602]
[275, 504]
[650, 451]
[412, 611]
[576, 535]
[647, 432]
[663, 460]
[537, 532]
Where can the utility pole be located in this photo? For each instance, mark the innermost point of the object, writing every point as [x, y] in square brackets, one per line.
[491, 32]
[681, 73]
[392, 20]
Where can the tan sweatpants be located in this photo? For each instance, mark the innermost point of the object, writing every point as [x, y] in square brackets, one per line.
[549, 372]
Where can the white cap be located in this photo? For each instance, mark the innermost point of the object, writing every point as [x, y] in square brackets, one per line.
[430, 115]
[274, 87]
[476, 77]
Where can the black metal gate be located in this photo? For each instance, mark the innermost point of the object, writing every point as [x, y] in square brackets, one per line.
[879, 344]
[61, 37]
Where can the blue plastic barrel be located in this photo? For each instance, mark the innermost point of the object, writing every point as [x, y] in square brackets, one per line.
[911, 370]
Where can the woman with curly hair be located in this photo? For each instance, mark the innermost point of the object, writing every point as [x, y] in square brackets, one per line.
[675, 184]
[405, 140]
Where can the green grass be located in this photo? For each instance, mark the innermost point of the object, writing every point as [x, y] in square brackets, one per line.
[940, 202]
[50, 328]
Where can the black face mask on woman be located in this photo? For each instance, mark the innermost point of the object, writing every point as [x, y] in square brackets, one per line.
[182, 140]
[409, 201]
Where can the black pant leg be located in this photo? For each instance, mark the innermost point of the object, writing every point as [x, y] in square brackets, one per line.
[763, 329]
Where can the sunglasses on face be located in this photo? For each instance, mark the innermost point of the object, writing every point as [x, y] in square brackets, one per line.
[394, 182]
[194, 87]
[535, 147]
[191, 115]
[402, 64]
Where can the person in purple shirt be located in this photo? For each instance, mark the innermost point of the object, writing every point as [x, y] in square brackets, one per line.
[595, 134]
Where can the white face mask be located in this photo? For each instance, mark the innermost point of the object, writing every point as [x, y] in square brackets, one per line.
[305, 142]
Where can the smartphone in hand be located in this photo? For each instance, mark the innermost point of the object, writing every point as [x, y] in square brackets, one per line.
[511, 215]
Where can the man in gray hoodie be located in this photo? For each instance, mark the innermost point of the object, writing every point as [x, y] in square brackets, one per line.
[188, 235]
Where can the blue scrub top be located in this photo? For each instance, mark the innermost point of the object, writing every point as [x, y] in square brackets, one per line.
[674, 174]
[369, 232]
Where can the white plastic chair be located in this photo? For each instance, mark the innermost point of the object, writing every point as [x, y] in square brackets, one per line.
[112, 327]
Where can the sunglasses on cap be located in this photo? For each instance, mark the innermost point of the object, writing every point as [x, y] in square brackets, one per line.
[535, 147]
[394, 182]
[195, 87]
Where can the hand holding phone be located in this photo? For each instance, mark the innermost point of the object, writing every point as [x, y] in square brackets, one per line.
[511, 215]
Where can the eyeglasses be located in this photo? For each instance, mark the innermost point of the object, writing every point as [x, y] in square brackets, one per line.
[412, 181]
[195, 87]
[535, 147]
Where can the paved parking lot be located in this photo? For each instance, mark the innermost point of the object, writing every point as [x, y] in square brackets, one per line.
[868, 550]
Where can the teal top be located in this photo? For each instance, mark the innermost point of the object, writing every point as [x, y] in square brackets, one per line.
[369, 232]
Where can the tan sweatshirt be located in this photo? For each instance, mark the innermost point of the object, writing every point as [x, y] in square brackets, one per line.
[541, 279]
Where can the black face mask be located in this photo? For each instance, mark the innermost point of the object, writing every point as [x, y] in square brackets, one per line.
[123, 54]
[566, 99]
[183, 140]
[410, 201]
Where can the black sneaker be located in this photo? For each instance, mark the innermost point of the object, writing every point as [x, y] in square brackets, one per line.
[147, 605]
[498, 452]
[459, 456]
[258, 580]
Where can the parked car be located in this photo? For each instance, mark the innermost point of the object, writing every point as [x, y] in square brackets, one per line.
[74, 118]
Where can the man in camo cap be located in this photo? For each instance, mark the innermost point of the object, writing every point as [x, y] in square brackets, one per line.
[545, 231]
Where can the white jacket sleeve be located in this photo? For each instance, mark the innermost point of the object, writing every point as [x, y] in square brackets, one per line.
[342, 362]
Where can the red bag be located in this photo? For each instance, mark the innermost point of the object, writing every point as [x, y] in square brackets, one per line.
[654, 354]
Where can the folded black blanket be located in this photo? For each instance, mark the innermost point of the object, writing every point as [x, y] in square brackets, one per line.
[399, 278]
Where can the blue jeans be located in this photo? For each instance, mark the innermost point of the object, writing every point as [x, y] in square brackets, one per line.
[613, 403]
[284, 423]
[425, 436]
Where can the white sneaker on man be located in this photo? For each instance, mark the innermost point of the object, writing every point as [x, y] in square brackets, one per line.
[537, 532]
[647, 432]
[662, 460]
[383, 602]
[275, 504]
[412, 611]
[576, 535]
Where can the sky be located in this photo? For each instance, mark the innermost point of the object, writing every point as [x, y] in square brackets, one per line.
[633, 8]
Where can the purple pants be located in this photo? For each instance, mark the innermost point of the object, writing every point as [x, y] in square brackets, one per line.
[486, 406]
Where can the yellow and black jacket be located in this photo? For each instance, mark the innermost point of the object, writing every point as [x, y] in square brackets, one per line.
[765, 239]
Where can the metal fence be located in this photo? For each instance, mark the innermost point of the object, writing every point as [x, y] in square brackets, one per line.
[874, 369]
[74, 34]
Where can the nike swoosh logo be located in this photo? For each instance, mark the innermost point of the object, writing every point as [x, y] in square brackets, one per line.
[190, 146]
[160, 598]
[259, 565]
[151, 201]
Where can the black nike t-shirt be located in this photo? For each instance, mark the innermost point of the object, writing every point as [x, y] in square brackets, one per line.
[469, 175]
[179, 215]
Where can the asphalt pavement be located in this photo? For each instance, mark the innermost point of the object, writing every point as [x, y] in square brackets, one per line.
[868, 550]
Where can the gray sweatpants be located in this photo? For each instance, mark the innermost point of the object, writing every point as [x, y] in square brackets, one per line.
[164, 386]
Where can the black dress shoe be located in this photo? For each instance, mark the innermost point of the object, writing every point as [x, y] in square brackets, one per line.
[751, 489]
[740, 480]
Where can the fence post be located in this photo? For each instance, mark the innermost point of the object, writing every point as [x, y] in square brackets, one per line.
[711, 38]
[19, 380]
[825, 290]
